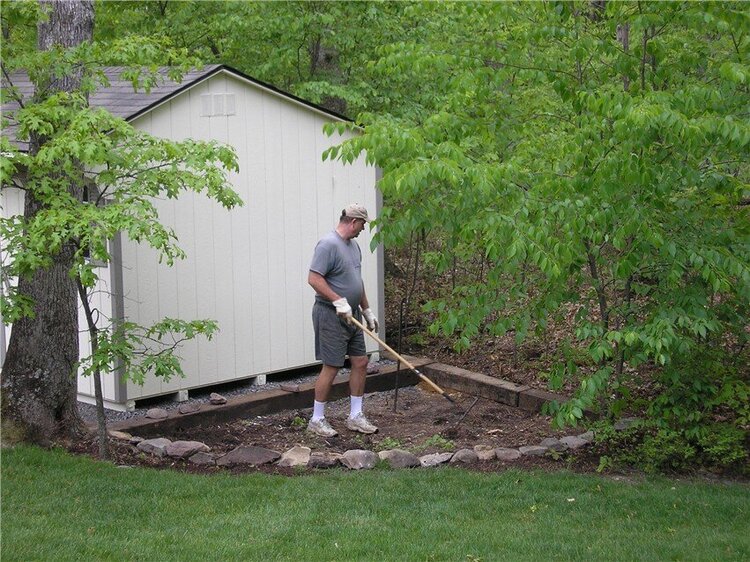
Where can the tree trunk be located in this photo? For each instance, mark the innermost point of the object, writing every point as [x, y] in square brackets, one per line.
[39, 374]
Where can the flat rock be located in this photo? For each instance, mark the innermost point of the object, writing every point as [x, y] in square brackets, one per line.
[554, 444]
[465, 456]
[296, 456]
[484, 452]
[358, 459]
[248, 455]
[625, 423]
[189, 408]
[574, 442]
[184, 449]
[398, 458]
[533, 450]
[435, 459]
[121, 435]
[157, 414]
[588, 436]
[505, 454]
[217, 399]
[287, 387]
[203, 459]
[323, 460]
[156, 446]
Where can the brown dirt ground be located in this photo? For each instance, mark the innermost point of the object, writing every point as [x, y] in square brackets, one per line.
[424, 422]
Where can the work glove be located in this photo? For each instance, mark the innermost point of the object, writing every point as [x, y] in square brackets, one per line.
[372, 322]
[343, 310]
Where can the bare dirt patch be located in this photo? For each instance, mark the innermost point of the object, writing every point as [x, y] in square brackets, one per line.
[423, 423]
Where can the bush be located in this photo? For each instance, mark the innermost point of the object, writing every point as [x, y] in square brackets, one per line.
[724, 446]
[666, 450]
[651, 448]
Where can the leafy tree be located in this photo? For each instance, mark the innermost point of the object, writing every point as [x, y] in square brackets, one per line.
[587, 158]
[317, 50]
[86, 177]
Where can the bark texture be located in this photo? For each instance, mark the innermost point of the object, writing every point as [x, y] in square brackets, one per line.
[39, 374]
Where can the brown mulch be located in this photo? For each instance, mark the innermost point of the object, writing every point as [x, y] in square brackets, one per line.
[423, 422]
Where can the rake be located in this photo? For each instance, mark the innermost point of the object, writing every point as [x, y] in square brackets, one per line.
[435, 387]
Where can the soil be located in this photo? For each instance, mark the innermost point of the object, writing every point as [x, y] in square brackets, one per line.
[423, 422]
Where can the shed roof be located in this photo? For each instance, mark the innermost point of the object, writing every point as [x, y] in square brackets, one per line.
[121, 100]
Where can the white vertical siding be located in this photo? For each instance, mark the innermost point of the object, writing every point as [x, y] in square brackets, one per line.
[247, 268]
[11, 204]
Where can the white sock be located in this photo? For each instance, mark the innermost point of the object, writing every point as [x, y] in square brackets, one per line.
[356, 406]
[319, 410]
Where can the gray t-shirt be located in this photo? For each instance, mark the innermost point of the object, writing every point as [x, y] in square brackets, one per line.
[340, 262]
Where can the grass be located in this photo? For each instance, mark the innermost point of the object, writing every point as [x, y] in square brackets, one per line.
[59, 507]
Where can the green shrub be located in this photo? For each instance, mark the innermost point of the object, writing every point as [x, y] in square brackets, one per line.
[723, 446]
[652, 448]
[665, 450]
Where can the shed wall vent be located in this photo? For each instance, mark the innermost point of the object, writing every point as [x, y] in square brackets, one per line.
[213, 105]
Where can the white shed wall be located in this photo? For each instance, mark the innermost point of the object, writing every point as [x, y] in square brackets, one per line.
[11, 204]
[247, 268]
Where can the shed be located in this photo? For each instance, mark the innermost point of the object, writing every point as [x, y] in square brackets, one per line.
[238, 262]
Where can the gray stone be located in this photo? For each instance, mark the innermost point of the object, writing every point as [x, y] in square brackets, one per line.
[484, 452]
[533, 450]
[588, 436]
[296, 456]
[505, 454]
[465, 456]
[554, 444]
[248, 455]
[323, 460]
[135, 440]
[625, 423]
[217, 399]
[121, 435]
[189, 408]
[184, 449]
[157, 414]
[574, 442]
[435, 459]
[288, 387]
[156, 446]
[203, 459]
[398, 458]
[358, 459]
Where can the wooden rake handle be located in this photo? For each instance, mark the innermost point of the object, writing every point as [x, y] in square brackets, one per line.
[435, 387]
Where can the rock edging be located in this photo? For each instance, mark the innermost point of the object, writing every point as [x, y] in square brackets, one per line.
[356, 459]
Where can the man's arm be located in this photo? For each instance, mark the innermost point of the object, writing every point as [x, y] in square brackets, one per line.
[321, 286]
[363, 303]
[372, 321]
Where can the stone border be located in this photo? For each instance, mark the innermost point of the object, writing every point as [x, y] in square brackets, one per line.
[354, 459]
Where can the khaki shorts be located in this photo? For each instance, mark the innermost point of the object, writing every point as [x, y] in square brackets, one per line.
[334, 337]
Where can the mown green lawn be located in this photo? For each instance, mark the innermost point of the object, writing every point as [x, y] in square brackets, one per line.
[59, 507]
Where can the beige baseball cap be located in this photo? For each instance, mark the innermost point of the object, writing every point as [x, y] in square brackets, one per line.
[356, 211]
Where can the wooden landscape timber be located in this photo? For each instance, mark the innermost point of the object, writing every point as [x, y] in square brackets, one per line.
[300, 396]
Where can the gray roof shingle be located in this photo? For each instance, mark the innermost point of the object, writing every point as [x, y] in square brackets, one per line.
[120, 99]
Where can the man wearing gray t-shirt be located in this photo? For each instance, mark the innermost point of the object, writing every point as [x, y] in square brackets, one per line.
[336, 276]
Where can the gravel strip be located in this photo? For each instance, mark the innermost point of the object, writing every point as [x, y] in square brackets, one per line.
[201, 395]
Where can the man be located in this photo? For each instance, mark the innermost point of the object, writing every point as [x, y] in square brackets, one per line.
[336, 276]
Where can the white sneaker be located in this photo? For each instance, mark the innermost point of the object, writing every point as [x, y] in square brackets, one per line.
[321, 427]
[360, 423]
